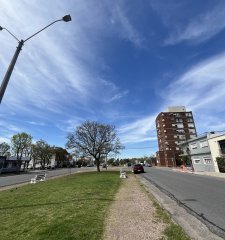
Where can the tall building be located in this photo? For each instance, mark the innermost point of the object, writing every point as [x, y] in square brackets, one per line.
[174, 126]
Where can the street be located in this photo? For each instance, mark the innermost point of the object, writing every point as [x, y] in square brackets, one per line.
[6, 180]
[202, 196]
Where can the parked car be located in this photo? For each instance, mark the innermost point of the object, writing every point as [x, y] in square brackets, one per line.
[138, 168]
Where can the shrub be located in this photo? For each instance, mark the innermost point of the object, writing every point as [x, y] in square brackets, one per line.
[221, 163]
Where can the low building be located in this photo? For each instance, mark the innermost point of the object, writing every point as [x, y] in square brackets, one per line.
[12, 164]
[217, 146]
[202, 152]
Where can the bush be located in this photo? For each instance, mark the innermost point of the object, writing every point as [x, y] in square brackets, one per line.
[221, 164]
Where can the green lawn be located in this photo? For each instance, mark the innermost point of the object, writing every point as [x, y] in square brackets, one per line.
[71, 207]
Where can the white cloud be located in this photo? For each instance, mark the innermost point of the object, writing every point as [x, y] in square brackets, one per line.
[138, 131]
[200, 28]
[36, 123]
[4, 139]
[126, 29]
[201, 86]
[58, 66]
[201, 89]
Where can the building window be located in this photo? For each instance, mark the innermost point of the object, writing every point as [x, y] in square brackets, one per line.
[177, 148]
[197, 161]
[180, 125]
[180, 131]
[188, 115]
[192, 131]
[179, 120]
[182, 137]
[207, 160]
[193, 146]
[190, 120]
[203, 144]
[191, 125]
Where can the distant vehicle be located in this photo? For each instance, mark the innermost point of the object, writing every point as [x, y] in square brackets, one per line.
[148, 165]
[138, 168]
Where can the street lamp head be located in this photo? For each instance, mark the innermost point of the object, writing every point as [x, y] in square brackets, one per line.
[1, 28]
[67, 18]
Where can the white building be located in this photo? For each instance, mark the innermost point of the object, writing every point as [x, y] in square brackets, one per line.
[203, 151]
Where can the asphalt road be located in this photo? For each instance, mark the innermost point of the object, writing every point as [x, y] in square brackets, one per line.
[11, 179]
[202, 196]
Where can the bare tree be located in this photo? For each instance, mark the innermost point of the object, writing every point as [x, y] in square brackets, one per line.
[95, 140]
[4, 148]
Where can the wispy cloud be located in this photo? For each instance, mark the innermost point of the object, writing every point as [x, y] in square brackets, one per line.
[36, 123]
[203, 24]
[125, 28]
[141, 130]
[200, 28]
[201, 89]
[74, 79]
[205, 82]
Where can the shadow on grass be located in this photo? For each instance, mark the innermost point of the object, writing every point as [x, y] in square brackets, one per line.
[57, 203]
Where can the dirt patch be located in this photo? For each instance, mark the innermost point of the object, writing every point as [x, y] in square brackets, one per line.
[132, 215]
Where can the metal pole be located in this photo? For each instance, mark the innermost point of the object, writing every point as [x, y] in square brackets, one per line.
[5, 81]
[10, 69]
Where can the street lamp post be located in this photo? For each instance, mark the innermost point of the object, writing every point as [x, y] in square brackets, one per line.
[6, 78]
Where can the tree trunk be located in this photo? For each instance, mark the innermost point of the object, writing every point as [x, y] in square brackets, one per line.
[98, 164]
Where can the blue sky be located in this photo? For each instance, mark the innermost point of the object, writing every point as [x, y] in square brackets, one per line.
[118, 62]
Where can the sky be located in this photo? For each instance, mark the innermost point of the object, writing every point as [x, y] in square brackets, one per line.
[118, 62]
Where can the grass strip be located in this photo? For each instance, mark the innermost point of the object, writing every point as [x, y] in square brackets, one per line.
[172, 231]
[71, 207]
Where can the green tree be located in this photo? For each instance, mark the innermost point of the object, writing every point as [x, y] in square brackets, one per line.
[94, 140]
[221, 164]
[4, 148]
[34, 155]
[42, 152]
[21, 145]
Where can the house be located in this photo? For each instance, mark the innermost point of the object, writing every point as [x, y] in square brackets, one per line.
[202, 151]
[12, 164]
[217, 146]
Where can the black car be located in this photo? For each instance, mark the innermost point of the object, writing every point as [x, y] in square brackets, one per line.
[138, 168]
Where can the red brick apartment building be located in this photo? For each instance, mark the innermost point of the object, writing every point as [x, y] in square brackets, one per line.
[173, 127]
